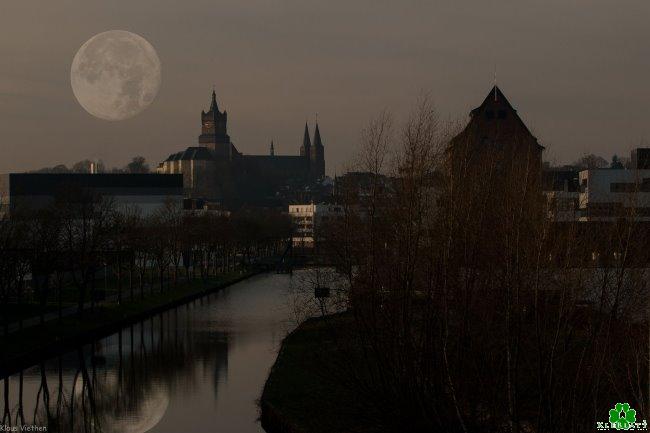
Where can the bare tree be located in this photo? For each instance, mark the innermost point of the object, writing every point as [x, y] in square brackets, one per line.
[472, 310]
[137, 165]
[86, 223]
[591, 161]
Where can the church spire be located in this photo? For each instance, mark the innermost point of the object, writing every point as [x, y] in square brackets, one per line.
[213, 105]
[317, 140]
[306, 140]
[317, 157]
[272, 149]
[305, 149]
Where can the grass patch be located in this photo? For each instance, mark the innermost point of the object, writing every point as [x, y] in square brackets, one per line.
[309, 389]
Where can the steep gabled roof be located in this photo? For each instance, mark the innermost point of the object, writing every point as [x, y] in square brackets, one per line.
[491, 107]
[494, 97]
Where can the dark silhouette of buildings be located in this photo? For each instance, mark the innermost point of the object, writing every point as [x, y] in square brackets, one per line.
[216, 171]
[34, 191]
[495, 144]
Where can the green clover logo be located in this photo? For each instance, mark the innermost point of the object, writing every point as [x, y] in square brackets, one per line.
[622, 417]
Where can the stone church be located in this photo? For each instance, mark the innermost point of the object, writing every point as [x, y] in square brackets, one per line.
[215, 171]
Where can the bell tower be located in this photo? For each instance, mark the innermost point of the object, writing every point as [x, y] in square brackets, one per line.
[214, 130]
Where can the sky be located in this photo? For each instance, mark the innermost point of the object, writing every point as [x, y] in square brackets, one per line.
[576, 70]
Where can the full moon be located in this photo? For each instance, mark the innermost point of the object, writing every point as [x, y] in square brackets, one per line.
[115, 75]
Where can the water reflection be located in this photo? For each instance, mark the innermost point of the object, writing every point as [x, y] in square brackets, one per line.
[199, 367]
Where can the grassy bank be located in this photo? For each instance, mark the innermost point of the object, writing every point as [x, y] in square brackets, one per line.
[309, 389]
[28, 346]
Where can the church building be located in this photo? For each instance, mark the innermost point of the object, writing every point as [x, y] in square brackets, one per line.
[215, 171]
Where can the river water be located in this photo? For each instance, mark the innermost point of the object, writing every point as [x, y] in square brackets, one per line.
[196, 368]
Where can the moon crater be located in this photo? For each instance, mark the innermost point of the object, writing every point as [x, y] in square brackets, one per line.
[115, 75]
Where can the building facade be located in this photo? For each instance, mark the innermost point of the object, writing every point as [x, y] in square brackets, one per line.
[612, 194]
[308, 219]
[217, 171]
[561, 187]
[600, 194]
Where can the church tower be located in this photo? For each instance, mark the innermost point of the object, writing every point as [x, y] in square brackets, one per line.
[305, 148]
[317, 156]
[214, 134]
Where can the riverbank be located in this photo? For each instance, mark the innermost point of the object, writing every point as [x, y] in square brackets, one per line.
[26, 347]
[305, 391]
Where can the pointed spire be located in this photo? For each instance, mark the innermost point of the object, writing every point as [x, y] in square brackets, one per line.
[305, 147]
[272, 149]
[495, 95]
[494, 98]
[306, 141]
[213, 105]
[317, 140]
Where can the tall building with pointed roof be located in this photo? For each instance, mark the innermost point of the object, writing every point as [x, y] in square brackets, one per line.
[216, 171]
[495, 142]
[214, 131]
[494, 184]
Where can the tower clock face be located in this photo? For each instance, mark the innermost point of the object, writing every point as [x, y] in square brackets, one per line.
[209, 125]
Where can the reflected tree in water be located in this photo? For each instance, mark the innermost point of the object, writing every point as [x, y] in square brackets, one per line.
[121, 383]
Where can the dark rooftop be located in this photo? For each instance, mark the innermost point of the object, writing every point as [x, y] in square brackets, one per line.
[51, 183]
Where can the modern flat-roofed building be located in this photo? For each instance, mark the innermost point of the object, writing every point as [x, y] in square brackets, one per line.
[33, 191]
[600, 194]
[610, 194]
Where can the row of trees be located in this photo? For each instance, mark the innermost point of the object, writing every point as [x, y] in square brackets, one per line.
[590, 161]
[138, 164]
[83, 238]
[473, 312]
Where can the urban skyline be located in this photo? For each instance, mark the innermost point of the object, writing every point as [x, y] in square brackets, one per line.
[316, 217]
[371, 56]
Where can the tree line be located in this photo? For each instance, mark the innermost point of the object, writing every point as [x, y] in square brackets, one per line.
[67, 249]
[138, 164]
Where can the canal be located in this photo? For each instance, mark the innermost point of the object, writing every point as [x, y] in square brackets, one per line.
[197, 368]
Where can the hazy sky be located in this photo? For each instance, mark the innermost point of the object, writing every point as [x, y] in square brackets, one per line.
[577, 71]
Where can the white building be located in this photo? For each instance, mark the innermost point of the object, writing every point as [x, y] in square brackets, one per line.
[610, 194]
[603, 194]
[307, 219]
